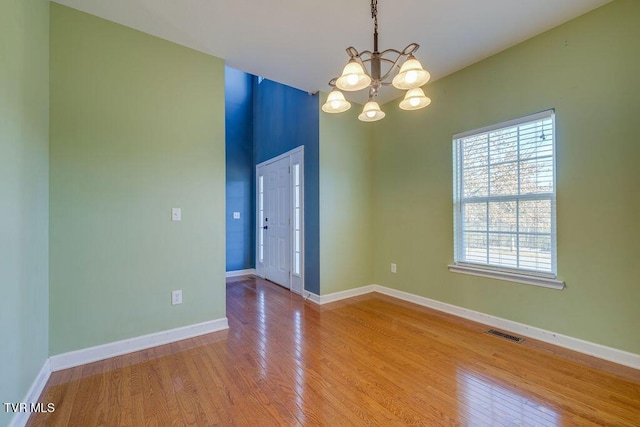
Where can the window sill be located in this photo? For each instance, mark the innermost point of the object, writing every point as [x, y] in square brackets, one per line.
[545, 282]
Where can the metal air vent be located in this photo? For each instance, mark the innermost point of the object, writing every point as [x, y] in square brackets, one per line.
[505, 336]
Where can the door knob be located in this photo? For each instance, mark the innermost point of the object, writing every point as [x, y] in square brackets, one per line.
[266, 227]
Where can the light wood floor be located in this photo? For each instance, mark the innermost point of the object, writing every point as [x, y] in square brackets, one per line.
[370, 360]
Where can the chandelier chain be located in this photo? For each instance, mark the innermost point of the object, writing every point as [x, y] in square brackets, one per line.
[374, 14]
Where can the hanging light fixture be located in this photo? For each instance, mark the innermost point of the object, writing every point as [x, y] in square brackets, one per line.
[409, 76]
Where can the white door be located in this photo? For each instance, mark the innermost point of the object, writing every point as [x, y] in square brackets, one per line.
[280, 220]
[276, 224]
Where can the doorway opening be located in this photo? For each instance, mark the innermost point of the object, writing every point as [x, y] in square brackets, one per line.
[280, 220]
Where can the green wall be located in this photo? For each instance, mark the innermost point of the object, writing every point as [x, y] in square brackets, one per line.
[137, 128]
[346, 230]
[24, 195]
[587, 69]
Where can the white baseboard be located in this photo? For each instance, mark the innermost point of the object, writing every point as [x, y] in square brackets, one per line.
[592, 349]
[315, 298]
[237, 273]
[33, 395]
[621, 357]
[337, 296]
[118, 348]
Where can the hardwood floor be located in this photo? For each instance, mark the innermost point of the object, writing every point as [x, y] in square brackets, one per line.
[370, 360]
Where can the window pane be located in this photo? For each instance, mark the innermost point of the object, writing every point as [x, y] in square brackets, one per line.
[503, 145]
[296, 263]
[475, 216]
[475, 245]
[296, 174]
[296, 224]
[536, 176]
[503, 250]
[536, 139]
[535, 252]
[476, 182]
[502, 216]
[475, 151]
[535, 216]
[504, 179]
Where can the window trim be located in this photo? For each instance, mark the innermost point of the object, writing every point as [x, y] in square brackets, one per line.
[511, 276]
[536, 278]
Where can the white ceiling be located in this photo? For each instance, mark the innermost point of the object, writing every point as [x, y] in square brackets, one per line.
[302, 43]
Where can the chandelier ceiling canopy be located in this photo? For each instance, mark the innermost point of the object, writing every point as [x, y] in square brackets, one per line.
[375, 69]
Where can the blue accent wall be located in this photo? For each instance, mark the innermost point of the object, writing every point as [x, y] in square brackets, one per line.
[240, 170]
[285, 118]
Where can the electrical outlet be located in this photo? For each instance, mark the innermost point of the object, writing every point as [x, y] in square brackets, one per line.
[393, 267]
[176, 297]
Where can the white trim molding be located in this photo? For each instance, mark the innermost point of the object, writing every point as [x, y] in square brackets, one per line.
[337, 296]
[615, 355]
[545, 282]
[592, 349]
[236, 273]
[118, 348]
[20, 419]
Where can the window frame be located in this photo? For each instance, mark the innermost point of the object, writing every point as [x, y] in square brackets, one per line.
[519, 275]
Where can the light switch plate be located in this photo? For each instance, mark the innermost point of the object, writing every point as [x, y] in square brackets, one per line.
[236, 215]
[176, 297]
[176, 214]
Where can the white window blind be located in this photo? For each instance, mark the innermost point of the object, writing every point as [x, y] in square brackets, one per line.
[505, 196]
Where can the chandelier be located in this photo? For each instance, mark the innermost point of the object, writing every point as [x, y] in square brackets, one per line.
[381, 66]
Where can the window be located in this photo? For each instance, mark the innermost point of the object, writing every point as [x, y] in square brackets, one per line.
[505, 200]
[261, 219]
[297, 223]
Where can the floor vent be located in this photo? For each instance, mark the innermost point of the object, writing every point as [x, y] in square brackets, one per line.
[505, 336]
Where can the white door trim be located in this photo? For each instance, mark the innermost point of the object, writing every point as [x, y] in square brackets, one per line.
[295, 156]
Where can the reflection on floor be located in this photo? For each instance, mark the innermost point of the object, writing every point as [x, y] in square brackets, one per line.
[369, 360]
[483, 402]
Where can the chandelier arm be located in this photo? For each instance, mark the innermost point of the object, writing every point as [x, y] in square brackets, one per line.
[393, 66]
[388, 60]
[366, 53]
[352, 52]
[410, 48]
[397, 52]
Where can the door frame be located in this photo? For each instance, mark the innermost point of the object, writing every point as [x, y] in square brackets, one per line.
[296, 157]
